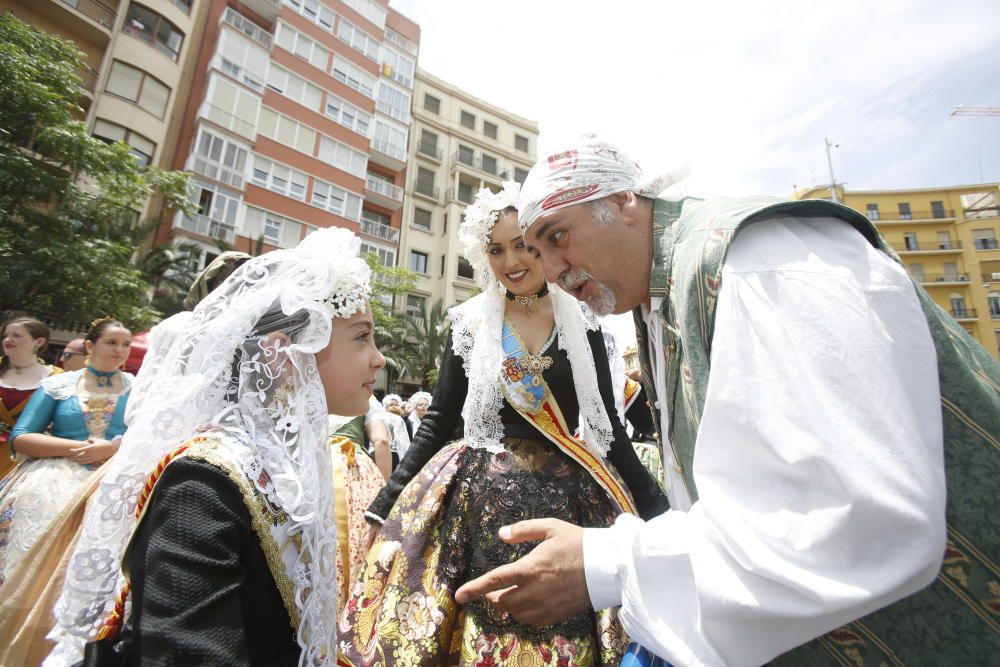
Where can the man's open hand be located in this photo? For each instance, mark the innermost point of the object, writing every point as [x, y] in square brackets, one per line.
[546, 586]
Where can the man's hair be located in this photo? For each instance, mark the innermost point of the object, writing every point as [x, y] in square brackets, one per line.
[601, 211]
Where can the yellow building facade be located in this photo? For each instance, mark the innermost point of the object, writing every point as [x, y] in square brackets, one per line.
[947, 238]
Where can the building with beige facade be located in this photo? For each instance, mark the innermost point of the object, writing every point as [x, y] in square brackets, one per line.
[947, 238]
[458, 145]
[137, 64]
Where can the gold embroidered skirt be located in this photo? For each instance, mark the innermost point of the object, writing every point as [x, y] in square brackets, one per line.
[441, 533]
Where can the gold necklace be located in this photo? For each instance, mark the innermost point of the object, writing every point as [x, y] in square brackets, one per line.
[527, 303]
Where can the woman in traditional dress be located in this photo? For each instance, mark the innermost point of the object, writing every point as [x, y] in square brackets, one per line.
[220, 506]
[521, 364]
[21, 373]
[85, 410]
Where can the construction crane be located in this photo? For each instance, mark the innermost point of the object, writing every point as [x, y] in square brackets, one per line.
[961, 110]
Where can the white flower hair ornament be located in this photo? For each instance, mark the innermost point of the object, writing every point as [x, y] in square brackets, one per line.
[338, 250]
[474, 232]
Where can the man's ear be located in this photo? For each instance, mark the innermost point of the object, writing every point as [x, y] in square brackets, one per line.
[627, 205]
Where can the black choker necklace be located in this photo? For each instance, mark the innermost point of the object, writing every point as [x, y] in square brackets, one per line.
[528, 302]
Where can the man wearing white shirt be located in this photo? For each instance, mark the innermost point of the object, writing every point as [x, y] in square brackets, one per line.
[797, 376]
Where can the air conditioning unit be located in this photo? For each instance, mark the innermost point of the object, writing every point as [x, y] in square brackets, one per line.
[995, 276]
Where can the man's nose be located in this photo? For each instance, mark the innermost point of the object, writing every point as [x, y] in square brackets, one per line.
[553, 266]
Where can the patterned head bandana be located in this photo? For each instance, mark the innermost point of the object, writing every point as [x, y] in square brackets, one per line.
[589, 169]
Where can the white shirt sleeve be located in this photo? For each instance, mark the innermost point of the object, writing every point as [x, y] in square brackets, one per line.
[819, 461]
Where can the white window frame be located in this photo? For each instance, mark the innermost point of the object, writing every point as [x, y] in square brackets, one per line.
[239, 68]
[326, 195]
[352, 76]
[401, 75]
[274, 224]
[302, 46]
[295, 88]
[386, 255]
[342, 156]
[226, 171]
[289, 185]
[350, 116]
[314, 11]
[358, 39]
[395, 104]
[370, 10]
[299, 132]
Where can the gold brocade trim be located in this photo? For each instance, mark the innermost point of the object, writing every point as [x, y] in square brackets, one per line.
[965, 419]
[854, 645]
[956, 578]
[887, 651]
[337, 466]
[832, 649]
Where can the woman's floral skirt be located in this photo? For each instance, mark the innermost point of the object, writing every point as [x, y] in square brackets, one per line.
[441, 533]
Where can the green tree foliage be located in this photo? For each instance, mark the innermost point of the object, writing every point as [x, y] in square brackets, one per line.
[390, 328]
[427, 336]
[68, 202]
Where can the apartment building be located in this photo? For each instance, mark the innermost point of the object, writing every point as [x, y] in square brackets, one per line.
[459, 144]
[290, 114]
[135, 58]
[298, 119]
[947, 238]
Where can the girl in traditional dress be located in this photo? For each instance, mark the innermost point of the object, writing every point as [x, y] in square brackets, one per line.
[85, 410]
[21, 373]
[219, 507]
[521, 364]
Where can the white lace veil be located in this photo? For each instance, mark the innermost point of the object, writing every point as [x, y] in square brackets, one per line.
[476, 337]
[218, 368]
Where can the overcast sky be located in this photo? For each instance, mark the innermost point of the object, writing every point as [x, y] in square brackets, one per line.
[743, 93]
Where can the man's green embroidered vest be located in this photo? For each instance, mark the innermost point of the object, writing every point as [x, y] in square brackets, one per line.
[955, 621]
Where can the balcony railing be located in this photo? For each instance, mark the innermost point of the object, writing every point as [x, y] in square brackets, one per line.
[985, 244]
[427, 190]
[396, 39]
[893, 216]
[385, 189]
[429, 149]
[964, 313]
[493, 168]
[152, 40]
[943, 278]
[206, 226]
[939, 246]
[96, 11]
[456, 195]
[380, 231]
[88, 78]
[402, 115]
[393, 151]
[248, 27]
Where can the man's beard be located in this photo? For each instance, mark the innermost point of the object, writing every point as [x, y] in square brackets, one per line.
[602, 302]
